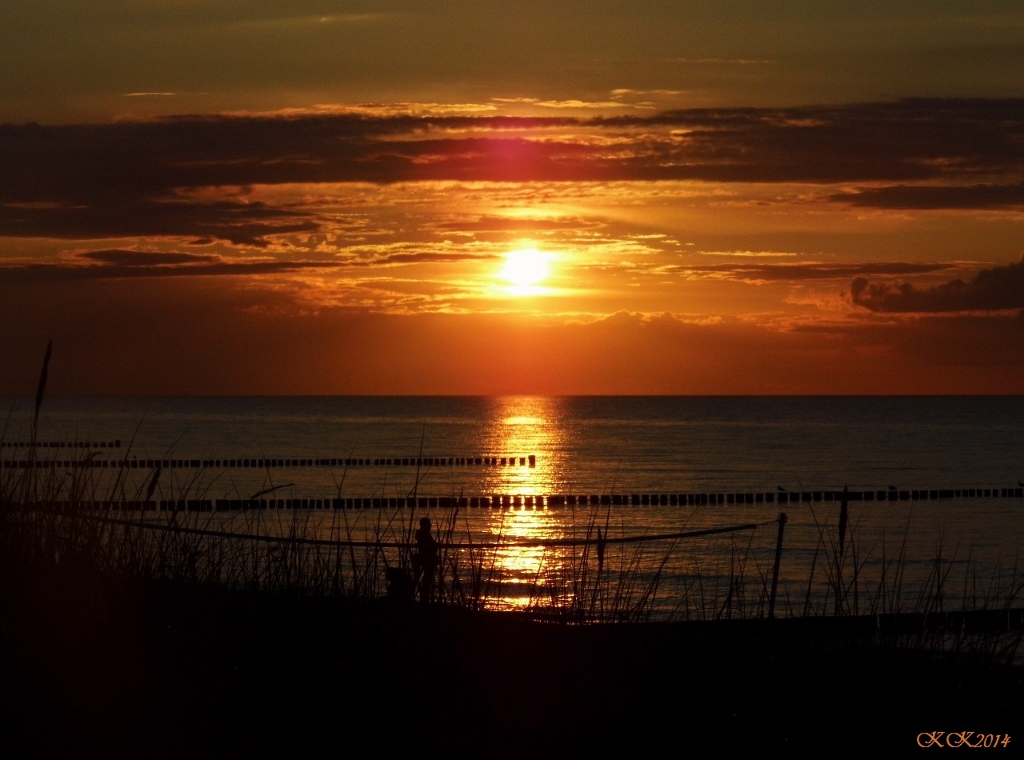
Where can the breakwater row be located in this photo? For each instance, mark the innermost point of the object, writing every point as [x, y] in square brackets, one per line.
[517, 501]
[60, 444]
[263, 463]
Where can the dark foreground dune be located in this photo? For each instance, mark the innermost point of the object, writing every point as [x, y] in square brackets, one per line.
[95, 668]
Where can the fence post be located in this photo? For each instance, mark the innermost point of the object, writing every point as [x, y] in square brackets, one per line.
[775, 570]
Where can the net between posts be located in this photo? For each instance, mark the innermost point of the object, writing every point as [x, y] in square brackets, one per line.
[724, 572]
[539, 543]
[587, 577]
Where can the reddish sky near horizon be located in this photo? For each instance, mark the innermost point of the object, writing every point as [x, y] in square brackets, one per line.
[405, 197]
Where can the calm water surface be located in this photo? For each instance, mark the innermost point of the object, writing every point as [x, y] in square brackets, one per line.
[604, 445]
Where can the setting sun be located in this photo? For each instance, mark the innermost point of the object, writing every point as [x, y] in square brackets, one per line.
[525, 267]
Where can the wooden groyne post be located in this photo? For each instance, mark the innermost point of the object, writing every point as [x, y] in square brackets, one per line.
[775, 569]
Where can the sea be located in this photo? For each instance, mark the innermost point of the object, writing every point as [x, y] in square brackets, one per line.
[512, 470]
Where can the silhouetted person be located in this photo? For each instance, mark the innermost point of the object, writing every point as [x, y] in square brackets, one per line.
[426, 560]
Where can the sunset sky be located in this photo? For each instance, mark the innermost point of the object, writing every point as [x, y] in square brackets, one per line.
[330, 197]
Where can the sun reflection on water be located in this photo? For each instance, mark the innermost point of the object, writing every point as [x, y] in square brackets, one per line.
[521, 564]
[524, 426]
[524, 569]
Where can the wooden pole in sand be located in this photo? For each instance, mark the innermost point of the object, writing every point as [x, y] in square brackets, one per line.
[775, 570]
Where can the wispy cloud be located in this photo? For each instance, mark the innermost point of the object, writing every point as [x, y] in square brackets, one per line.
[125, 264]
[119, 263]
[793, 272]
[627, 92]
[130, 258]
[561, 104]
[971, 196]
[490, 223]
[725, 61]
[428, 257]
[398, 109]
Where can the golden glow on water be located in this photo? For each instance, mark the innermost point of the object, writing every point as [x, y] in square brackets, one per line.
[527, 425]
[523, 562]
[524, 426]
[524, 569]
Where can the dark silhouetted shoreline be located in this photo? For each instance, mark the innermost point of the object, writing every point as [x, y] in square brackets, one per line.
[100, 666]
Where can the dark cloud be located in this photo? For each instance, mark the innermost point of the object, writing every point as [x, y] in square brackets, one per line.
[912, 139]
[121, 264]
[808, 271]
[134, 214]
[936, 197]
[127, 178]
[991, 289]
[128, 258]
